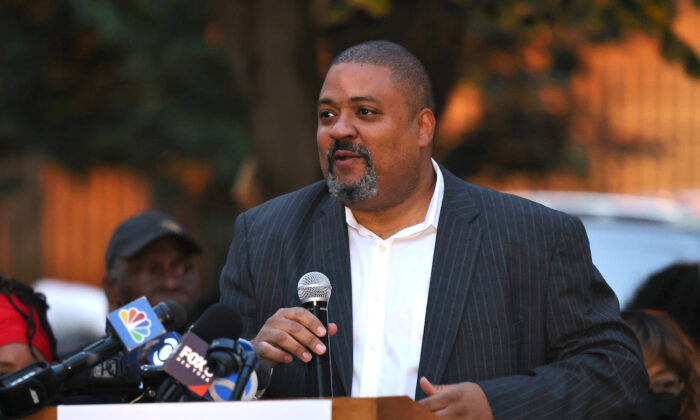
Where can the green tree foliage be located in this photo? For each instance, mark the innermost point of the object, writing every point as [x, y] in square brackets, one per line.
[143, 83]
[522, 54]
[128, 82]
[135, 82]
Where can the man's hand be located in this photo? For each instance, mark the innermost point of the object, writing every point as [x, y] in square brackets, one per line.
[290, 332]
[465, 400]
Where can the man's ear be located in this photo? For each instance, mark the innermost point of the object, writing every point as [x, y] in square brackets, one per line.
[426, 127]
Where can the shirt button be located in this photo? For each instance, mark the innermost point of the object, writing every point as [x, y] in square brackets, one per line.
[382, 248]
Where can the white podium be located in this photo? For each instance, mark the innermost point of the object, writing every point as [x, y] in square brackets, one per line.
[384, 408]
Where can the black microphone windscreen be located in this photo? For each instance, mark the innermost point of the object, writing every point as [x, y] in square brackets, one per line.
[218, 321]
[171, 314]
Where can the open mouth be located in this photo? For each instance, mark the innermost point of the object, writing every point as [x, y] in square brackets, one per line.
[345, 155]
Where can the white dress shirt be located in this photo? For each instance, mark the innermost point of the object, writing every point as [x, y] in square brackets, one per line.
[390, 281]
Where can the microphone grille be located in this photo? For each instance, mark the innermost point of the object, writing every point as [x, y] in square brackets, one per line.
[314, 286]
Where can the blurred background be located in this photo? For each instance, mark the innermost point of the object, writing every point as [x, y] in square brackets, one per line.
[204, 109]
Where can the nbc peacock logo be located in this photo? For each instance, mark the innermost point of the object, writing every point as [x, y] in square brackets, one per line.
[136, 322]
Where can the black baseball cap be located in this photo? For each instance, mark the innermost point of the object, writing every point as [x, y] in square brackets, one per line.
[134, 233]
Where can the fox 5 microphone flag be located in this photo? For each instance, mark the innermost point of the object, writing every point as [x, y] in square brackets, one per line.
[189, 364]
[136, 323]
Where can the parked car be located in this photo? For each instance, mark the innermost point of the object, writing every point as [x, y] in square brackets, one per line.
[631, 236]
[76, 313]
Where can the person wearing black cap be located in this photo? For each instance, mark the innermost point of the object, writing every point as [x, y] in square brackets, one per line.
[151, 255]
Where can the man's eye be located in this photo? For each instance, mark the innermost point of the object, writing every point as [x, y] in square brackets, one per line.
[185, 268]
[366, 111]
[325, 114]
[155, 269]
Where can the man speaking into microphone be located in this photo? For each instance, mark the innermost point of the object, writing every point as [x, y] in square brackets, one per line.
[475, 303]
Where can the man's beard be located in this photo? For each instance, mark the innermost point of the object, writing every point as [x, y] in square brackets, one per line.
[363, 189]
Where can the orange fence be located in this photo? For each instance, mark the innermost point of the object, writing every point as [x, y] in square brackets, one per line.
[57, 224]
[638, 117]
[79, 214]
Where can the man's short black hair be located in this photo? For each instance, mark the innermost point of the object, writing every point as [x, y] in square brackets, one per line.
[407, 72]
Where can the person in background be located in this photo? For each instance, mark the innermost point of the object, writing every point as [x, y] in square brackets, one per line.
[674, 290]
[25, 333]
[150, 255]
[672, 363]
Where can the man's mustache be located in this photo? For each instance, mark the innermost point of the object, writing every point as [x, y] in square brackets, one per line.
[350, 147]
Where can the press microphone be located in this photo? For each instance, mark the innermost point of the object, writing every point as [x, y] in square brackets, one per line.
[263, 372]
[133, 328]
[161, 351]
[226, 358]
[37, 385]
[114, 377]
[236, 377]
[314, 291]
[222, 388]
[118, 380]
[188, 363]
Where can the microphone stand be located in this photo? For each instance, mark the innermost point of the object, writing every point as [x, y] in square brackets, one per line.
[249, 361]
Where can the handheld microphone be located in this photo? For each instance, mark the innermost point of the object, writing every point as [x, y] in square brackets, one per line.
[37, 385]
[314, 291]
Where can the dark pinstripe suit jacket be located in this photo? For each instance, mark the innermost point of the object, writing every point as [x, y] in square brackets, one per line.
[514, 304]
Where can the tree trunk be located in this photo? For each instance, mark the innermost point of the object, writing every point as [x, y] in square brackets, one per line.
[264, 43]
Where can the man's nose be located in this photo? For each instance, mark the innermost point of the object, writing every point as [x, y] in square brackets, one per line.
[173, 277]
[343, 128]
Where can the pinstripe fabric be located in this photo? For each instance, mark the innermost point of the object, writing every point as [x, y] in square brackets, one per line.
[515, 302]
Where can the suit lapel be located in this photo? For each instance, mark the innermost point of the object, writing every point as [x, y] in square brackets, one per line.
[455, 255]
[330, 255]
[454, 258]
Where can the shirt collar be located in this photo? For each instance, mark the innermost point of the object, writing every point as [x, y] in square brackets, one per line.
[431, 216]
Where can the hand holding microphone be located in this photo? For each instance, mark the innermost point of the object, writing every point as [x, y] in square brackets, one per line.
[291, 332]
[314, 291]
